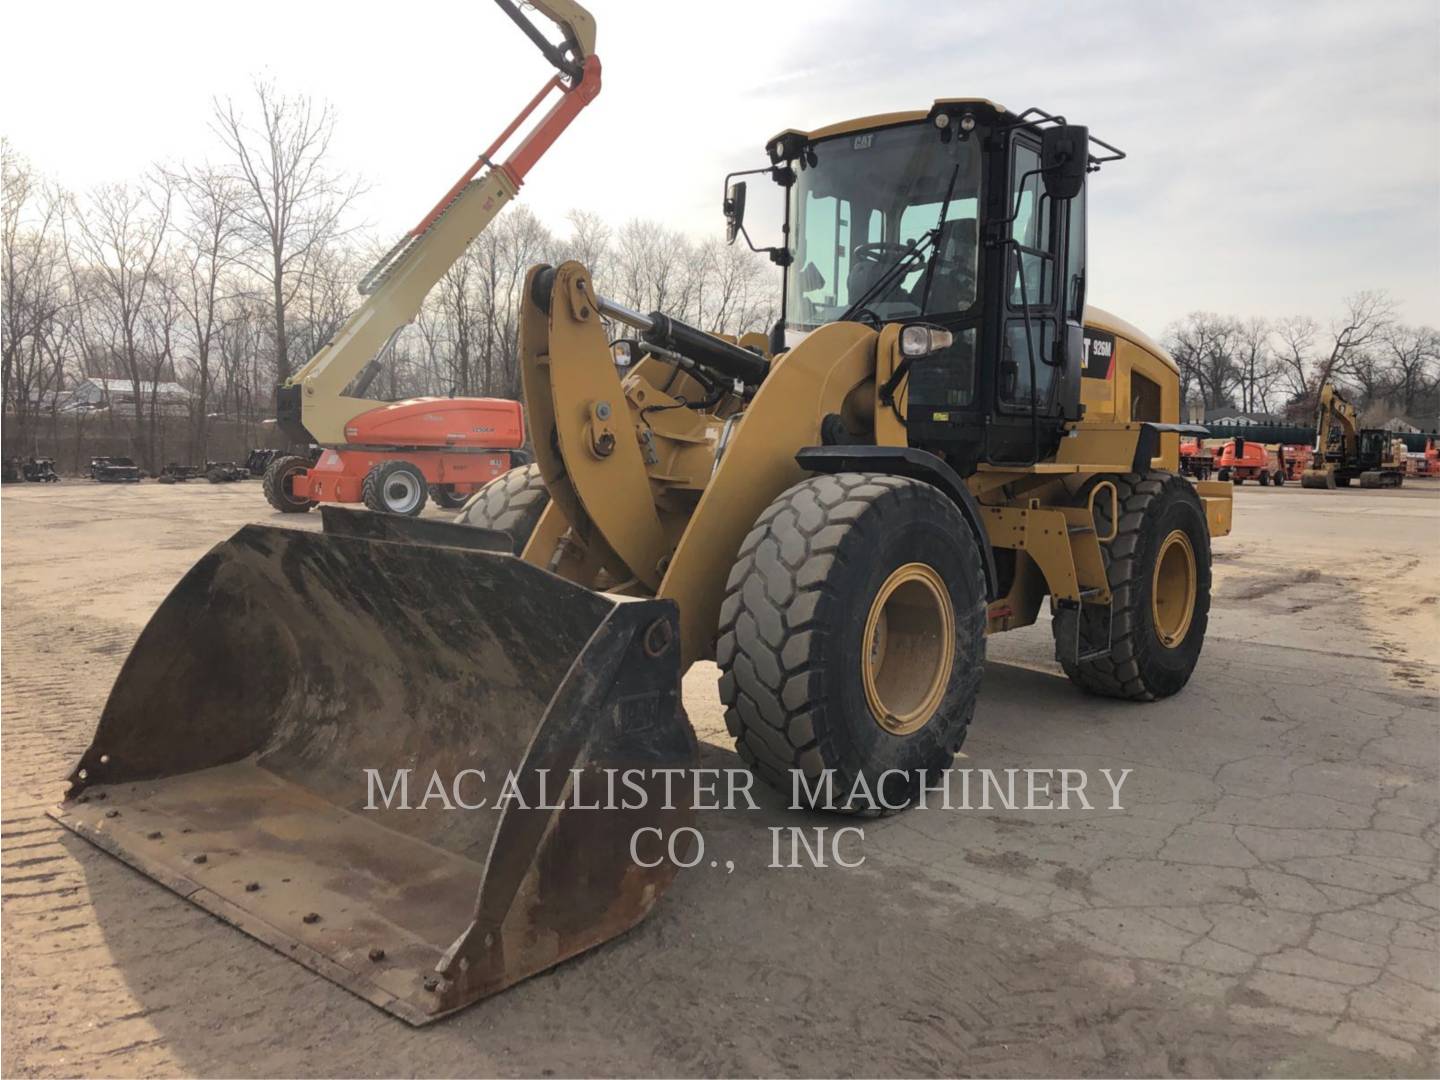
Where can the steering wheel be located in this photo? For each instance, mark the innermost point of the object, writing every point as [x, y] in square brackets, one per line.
[871, 261]
[878, 251]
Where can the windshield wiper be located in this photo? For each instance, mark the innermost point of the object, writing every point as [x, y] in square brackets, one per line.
[935, 251]
[906, 260]
[902, 265]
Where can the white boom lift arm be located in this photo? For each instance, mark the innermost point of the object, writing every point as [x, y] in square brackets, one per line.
[311, 406]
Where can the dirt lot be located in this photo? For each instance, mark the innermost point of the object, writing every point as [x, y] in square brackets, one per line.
[1265, 903]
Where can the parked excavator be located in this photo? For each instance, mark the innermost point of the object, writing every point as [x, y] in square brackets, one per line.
[940, 436]
[1345, 452]
[390, 456]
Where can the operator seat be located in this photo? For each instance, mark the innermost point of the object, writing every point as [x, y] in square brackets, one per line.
[953, 288]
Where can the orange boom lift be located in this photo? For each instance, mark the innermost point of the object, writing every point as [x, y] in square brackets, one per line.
[390, 456]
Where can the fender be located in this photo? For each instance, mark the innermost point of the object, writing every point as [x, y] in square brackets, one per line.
[916, 464]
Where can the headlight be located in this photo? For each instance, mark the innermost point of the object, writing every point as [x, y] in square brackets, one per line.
[921, 340]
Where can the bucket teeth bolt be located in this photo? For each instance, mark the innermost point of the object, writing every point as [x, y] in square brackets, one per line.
[432, 984]
[201, 858]
[156, 835]
[253, 886]
[112, 813]
[311, 918]
[377, 954]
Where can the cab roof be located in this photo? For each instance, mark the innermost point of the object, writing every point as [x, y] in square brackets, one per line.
[865, 123]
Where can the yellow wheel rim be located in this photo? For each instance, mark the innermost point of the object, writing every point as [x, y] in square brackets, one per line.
[908, 649]
[1172, 590]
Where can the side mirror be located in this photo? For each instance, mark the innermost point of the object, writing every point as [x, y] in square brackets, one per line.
[734, 210]
[1064, 159]
[624, 352]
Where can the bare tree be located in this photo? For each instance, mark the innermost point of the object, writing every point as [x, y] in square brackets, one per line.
[1352, 338]
[1294, 352]
[294, 204]
[1203, 345]
[740, 291]
[1413, 355]
[34, 298]
[210, 235]
[121, 236]
[1256, 369]
[589, 242]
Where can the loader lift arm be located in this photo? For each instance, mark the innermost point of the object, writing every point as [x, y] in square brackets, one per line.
[312, 405]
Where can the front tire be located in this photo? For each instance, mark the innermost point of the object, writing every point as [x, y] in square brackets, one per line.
[852, 639]
[1158, 567]
[394, 487]
[277, 484]
[511, 503]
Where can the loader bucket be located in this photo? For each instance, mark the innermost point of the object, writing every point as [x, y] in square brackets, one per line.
[250, 753]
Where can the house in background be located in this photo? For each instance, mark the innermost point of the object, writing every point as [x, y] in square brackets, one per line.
[1412, 425]
[171, 399]
[1229, 414]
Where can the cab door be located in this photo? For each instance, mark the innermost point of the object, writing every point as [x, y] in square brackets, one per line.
[1032, 316]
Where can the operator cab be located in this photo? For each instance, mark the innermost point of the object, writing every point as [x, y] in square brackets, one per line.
[967, 218]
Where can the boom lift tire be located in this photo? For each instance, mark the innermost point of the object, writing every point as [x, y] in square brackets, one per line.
[276, 484]
[394, 487]
[1154, 643]
[853, 591]
[443, 495]
[511, 503]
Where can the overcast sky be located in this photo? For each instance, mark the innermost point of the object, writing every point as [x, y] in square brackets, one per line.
[1282, 154]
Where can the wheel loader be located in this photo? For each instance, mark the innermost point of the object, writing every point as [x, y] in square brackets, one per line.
[940, 437]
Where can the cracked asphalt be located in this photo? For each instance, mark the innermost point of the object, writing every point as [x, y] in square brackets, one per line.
[1265, 903]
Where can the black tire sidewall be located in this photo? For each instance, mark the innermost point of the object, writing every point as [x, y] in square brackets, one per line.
[445, 499]
[924, 530]
[279, 475]
[1168, 669]
[512, 503]
[373, 488]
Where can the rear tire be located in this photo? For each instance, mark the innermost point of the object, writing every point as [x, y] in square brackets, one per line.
[511, 503]
[1160, 514]
[277, 484]
[1264, 479]
[443, 495]
[840, 600]
[1279, 479]
[394, 487]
